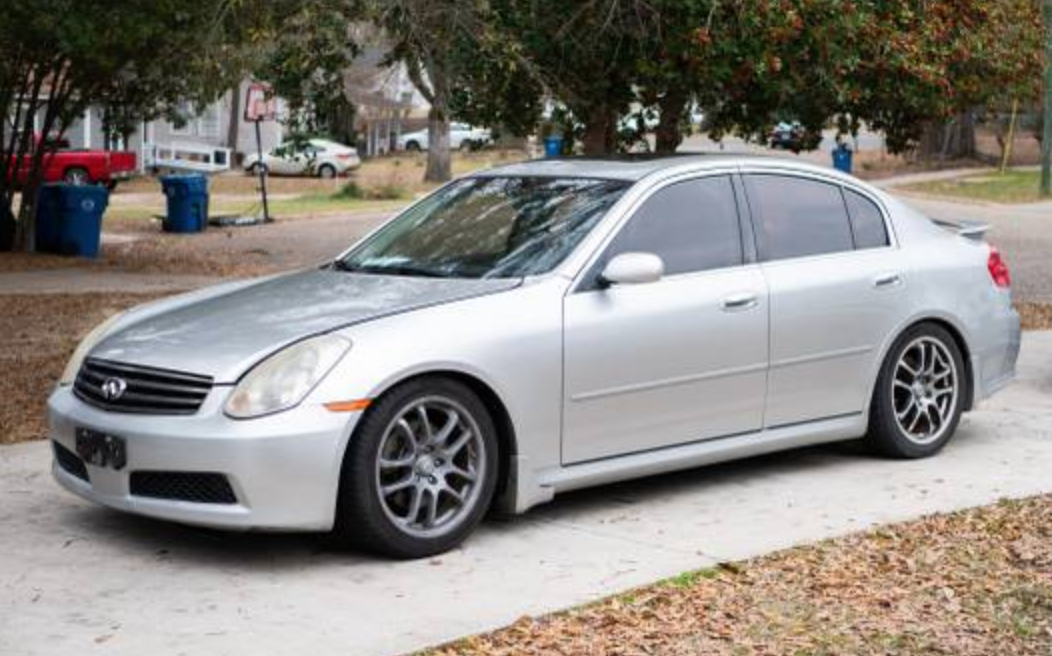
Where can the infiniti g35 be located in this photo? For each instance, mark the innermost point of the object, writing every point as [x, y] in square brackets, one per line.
[534, 329]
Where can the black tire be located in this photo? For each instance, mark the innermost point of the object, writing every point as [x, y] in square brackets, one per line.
[886, 436]
[255, 169]
[76, 175]
[327, 171]
[362, 520]
[412, 146]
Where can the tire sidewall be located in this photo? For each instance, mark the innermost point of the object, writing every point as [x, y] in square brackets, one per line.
[360, 513]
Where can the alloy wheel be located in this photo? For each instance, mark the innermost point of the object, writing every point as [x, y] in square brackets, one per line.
[430, 467]
[925, 390]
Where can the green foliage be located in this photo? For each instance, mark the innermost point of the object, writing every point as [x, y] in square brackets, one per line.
[308, 49]
[895, 64]
[353, 191]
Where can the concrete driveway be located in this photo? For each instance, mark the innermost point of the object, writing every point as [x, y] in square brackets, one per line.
[76, 579]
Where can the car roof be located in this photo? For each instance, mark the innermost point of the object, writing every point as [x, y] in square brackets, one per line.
[633, 168]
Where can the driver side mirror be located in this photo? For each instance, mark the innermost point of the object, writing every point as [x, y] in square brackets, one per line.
[632, 269]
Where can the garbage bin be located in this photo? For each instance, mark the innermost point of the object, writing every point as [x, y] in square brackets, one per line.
[553, 146]
[842, 156]
[187, 203]
[69, 219]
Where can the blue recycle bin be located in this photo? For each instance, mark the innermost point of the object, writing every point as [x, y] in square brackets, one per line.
[69, 219]
[842, 157]
[553, 146]
[187, 203]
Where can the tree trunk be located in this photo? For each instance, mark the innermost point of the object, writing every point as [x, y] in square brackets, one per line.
[439, 167]
[600, 133]
[668, 136]
[953, 139]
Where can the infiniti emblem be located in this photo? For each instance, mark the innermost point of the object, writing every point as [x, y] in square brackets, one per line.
[113, 388]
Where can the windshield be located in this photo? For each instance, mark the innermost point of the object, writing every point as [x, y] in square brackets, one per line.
[501, 227]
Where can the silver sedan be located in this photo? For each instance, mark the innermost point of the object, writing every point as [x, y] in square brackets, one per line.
[534, 329]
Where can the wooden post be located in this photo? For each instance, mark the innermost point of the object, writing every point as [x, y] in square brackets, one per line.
[1046, 132]
[1011, 136]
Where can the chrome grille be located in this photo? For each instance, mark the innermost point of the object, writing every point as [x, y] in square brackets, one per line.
[144, 390]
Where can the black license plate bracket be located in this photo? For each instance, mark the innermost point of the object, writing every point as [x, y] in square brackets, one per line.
[101, 449]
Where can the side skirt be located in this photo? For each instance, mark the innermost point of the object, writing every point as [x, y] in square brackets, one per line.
[551, 481]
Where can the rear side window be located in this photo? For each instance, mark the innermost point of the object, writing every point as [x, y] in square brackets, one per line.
[691, 226]
[798, 217]
[867, 221]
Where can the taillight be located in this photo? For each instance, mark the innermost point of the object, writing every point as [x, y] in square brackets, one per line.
[998, 269]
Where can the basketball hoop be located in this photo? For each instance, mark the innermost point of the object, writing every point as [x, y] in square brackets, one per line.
[260, 105]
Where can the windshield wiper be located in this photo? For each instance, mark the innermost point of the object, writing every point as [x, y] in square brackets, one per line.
[388, 269]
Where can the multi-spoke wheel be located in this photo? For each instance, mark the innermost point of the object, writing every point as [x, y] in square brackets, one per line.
[428, 466]
[420, 470]
[919, 396]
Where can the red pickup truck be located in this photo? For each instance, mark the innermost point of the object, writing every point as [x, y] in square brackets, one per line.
[78, 166]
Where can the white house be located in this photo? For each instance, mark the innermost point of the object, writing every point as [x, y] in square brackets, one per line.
[199, 143]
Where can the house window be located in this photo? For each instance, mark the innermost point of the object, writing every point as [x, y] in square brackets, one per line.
[208, 122]
[183, 125]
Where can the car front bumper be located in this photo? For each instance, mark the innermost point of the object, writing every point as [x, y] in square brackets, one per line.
[284, 469]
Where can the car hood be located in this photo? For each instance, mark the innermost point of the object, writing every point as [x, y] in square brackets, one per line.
[226, 334]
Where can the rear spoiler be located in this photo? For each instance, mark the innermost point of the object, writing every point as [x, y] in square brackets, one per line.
[971, 229]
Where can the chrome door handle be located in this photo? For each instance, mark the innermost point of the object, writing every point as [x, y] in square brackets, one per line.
[739, 302]
[887, 280]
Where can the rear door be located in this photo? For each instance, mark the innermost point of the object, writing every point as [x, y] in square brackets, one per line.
[674, 361]
[836, 286]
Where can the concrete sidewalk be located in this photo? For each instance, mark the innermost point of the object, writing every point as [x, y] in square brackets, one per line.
[76, 579]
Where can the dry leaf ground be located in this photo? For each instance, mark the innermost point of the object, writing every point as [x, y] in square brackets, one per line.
[974, 583]
[39, 334]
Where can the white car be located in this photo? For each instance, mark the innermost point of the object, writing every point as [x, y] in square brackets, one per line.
[461, 136]
[320, 157]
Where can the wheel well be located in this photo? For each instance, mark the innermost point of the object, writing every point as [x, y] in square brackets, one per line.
[966, 355]
[501, 419]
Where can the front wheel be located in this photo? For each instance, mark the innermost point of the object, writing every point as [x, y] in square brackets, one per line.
[420, 471]
[920, 394]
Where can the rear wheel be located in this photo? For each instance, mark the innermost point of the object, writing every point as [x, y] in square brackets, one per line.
[419, 472]
[920, 394]
[412, 146]
[327, 171]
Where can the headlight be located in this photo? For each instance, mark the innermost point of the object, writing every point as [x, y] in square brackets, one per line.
[284, 379]
[69, 374]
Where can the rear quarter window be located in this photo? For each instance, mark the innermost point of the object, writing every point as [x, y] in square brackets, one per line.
[867, 221]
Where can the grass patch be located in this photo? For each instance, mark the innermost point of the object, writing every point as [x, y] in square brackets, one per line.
[1014, 186]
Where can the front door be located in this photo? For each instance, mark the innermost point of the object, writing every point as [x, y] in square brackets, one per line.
[674, 361]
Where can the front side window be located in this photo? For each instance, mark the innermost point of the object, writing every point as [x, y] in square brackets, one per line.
[798, 217]
[691, 226]
[488, 227]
